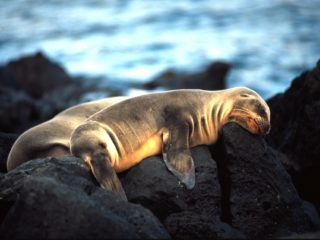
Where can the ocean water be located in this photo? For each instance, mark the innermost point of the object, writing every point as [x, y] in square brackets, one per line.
[268, 42]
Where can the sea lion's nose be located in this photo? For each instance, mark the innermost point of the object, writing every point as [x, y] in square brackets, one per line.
[266, 128]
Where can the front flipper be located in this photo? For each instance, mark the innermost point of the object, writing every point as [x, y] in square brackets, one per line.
[105, 174]
[89, 141]
[177, 155]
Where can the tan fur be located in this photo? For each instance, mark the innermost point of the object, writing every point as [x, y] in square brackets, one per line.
[52, 138]
[114, 134]
[140, 138]
[150, 148]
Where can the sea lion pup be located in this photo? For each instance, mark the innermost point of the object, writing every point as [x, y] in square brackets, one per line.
[120, 136]
[52, 138]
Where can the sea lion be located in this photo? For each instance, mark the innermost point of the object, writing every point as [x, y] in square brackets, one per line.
[113, 134]
[120, 136]
[52, 138]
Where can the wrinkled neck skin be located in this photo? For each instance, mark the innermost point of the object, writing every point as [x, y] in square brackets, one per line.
[220, 107]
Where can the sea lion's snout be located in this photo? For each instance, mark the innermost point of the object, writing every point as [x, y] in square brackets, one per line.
[263, 126]
[251, 112]
[262, 112]
[258, 118]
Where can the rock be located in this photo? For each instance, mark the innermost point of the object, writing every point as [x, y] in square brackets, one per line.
[192, 214]
[310, 210]
[295, 131]
[152, 185]
[26, 85]
[57, 198]
[34, 74]
[189, 225]
[259, 197]
[18, 111]
[247, 193]
[6, 142]
[213, 78]
[312, 235]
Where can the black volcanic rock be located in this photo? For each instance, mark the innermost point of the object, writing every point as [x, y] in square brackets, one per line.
[244, 191]
[26, 84]
[259, 198]
[212, 78]
[248, 193]
[57, 198]
[191, 225]
[6, 142]
[35, 74]
[295, 131]
[151, 184]
[18, 110]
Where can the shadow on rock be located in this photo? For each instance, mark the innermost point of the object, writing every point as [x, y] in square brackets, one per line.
[261, 199]
[151, 184]
[57, 198]
[295, 131]
[6, 142]
[245, 193]
[248, 193]
[191, 225]
[192, 214]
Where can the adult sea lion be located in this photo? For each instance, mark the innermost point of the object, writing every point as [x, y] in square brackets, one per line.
[113, 134]
[120, 136]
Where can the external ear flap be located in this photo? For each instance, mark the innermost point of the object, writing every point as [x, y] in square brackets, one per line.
[177, 155]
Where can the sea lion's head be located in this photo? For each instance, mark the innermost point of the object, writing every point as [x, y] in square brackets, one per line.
[249, 110]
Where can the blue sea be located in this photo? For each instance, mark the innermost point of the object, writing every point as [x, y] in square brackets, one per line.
[268, 42]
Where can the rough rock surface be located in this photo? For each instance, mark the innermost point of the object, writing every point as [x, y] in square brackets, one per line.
[248, 193]
[258, 195]
[151, 184]
[58, 198]
[244, 192]
[213, 78]
[191, 214]
[192, 225]
[243, 189]
[295, 131]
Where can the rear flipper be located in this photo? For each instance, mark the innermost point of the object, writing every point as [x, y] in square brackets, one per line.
[89, 142]
[177, 155]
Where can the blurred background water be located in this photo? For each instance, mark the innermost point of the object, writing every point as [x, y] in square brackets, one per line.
[268, 42]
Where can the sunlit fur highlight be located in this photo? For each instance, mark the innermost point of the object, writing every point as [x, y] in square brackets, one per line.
[125, 131]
